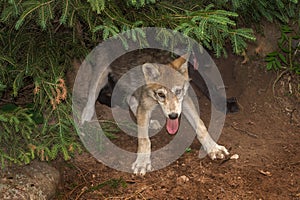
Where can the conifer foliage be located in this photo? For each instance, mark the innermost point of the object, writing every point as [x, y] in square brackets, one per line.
[40, 38]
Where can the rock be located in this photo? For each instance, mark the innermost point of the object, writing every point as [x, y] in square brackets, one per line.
[234, 157]
[30, 182]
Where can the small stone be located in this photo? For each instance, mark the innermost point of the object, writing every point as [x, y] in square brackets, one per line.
[234, 157]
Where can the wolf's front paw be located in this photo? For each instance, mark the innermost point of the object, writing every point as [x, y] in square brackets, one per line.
[142, 164]
[154, 124]
[218, 152]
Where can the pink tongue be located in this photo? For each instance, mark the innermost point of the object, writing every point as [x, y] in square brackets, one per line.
[172, 126]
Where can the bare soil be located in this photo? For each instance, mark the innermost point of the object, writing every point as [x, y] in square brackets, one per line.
[265, 133]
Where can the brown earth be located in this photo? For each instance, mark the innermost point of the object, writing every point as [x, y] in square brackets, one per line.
[265, 133]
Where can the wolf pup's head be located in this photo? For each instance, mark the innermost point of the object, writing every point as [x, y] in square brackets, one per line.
[167, 84]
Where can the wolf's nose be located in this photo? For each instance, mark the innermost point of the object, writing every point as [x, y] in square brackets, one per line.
[173, 116]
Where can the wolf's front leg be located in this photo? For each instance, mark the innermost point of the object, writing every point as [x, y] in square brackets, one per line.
[210, 146]
[142, 163]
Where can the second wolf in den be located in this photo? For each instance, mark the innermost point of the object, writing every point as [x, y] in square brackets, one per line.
[166, 86]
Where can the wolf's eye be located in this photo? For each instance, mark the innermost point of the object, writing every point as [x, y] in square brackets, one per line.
[161, 95]
[177, 91]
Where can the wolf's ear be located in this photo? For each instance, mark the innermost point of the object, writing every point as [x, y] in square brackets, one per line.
[150, 71]
[181, 63]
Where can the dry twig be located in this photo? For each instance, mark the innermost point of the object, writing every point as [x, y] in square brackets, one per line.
[245, 131]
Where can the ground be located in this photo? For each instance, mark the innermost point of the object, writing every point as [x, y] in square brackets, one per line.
[265, 133]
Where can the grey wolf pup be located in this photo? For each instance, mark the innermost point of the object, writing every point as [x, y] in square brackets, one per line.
[166, 86]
